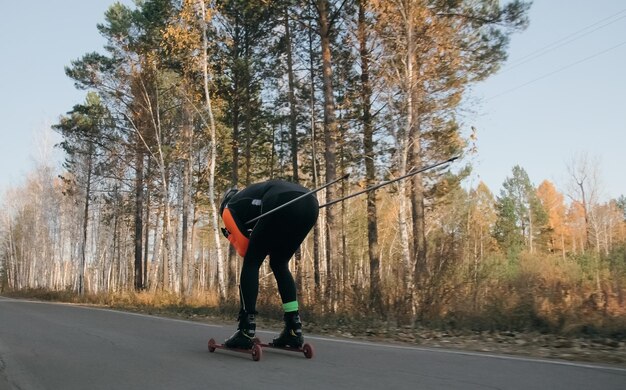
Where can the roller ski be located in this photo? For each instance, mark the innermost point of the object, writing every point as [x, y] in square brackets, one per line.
[243, 340]
[256, 351]
[290, 339]
[306, 348]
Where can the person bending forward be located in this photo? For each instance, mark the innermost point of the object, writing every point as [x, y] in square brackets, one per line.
[277, 235]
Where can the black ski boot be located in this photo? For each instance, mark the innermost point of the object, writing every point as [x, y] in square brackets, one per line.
[291, 336]
[243, 338]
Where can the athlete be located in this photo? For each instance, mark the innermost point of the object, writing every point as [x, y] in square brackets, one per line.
[277, 235]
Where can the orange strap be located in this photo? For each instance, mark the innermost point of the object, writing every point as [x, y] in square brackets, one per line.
[236, 238]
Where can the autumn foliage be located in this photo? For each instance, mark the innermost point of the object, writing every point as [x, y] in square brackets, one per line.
[192, 97]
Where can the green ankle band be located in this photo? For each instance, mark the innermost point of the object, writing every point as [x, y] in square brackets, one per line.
[290, 306]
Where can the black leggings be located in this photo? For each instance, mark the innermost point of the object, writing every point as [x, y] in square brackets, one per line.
[278, 235]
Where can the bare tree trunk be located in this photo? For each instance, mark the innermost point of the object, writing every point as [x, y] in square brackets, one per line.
[293, 115]
[151, 108]
[138, 215]
[585, 212]
[165, 237]
[81, 275]
[410, 79]
[317, 236]
[370, 167]
[333, 248]
[583, 173]
[156, 253]
[293, 130]
[407, 263]
[247, 125]
[146, 281]
[114, 248]
[418, 217]
[236, 112]
[422, 270]
[12, 261]
[213, 156]
[531, 241]
[187, 142]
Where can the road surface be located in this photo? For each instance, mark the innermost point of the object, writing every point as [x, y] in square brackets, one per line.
[60, 346]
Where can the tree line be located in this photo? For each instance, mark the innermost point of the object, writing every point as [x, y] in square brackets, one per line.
[191, 97]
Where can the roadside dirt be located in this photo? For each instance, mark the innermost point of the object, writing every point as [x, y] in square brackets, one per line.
[530, 344]
[598, 349]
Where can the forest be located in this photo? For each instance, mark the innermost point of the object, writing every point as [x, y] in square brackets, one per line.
[191, 97]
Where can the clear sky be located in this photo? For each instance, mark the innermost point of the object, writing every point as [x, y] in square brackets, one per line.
[37, 40]
[560, 94]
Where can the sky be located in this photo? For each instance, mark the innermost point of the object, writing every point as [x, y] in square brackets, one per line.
[37, 40]
[560, 95]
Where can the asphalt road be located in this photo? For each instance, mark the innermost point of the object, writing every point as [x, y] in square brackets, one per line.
[58, 346]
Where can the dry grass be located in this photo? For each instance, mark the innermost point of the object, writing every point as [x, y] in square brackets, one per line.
[573, 296]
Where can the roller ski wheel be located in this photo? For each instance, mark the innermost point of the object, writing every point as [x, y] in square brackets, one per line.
[306, 349]
[256, 351]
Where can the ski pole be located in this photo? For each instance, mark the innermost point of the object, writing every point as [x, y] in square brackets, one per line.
[298, 198]
[377, 186]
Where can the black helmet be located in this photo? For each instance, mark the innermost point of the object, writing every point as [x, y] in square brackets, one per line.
[227, 197]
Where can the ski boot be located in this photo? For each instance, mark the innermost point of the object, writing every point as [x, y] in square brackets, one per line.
[291, 336]
[244, 337]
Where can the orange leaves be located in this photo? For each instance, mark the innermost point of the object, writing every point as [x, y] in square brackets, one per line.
[183, 35]
[553, 203]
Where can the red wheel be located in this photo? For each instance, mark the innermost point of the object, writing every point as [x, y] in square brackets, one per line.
[257, 352]
[308, 351]
[256, 340]
[211, 345]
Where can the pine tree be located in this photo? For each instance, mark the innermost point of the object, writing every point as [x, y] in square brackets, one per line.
[621, 204]
[521, 217]
[133, 83]
[86, 136]
[432, 51]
